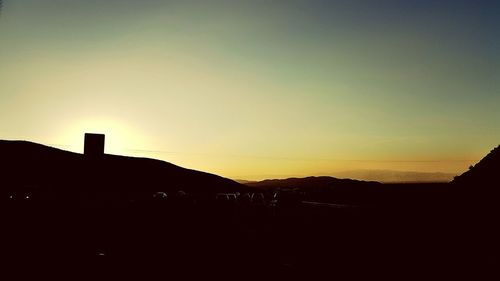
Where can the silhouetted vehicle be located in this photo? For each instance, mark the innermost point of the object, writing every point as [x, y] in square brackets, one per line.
[274, 199]
[24, 196]
[257, 198]
[221, 197]
[160, 196]
[244, 198]
[181, 196]
[230, 197]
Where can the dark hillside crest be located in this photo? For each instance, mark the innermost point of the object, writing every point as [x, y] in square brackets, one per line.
[485, 173]
[24, 163]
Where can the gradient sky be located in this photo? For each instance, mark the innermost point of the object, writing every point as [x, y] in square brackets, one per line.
[255, 89]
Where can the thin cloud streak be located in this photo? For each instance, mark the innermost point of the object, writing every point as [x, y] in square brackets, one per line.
[296, 158]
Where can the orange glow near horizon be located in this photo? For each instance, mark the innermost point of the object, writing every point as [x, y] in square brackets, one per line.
[252, 90]
[119, 137]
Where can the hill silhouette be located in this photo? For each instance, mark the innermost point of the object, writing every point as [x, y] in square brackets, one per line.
[391, 176]
[320, 182]
[325, 189]
[349, 191]
[484, 173]
[28, 165]
[410, 227]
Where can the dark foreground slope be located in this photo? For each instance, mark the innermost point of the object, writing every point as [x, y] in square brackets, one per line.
[27, 165]
[480, 185]
[485, 173]
[238, 238]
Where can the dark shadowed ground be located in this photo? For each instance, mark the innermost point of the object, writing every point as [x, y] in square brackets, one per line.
[81, 224]
[179, 236]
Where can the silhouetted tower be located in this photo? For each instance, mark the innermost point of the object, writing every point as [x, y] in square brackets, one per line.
[94, 145]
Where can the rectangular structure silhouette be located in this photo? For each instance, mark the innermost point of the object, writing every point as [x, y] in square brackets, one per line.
[94, 145]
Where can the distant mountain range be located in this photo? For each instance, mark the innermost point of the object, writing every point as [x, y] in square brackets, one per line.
[383, 176]
[326, 189]
[356, 192]
[30, 165]
[390, 176]
[309, 183]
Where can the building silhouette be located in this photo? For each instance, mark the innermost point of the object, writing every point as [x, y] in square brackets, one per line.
[94, 145]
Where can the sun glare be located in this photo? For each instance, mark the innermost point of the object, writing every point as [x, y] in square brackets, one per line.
[119, 138]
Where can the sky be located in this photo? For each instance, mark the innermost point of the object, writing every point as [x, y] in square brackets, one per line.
[257, 89]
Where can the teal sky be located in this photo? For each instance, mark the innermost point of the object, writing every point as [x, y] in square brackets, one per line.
[251, 89]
